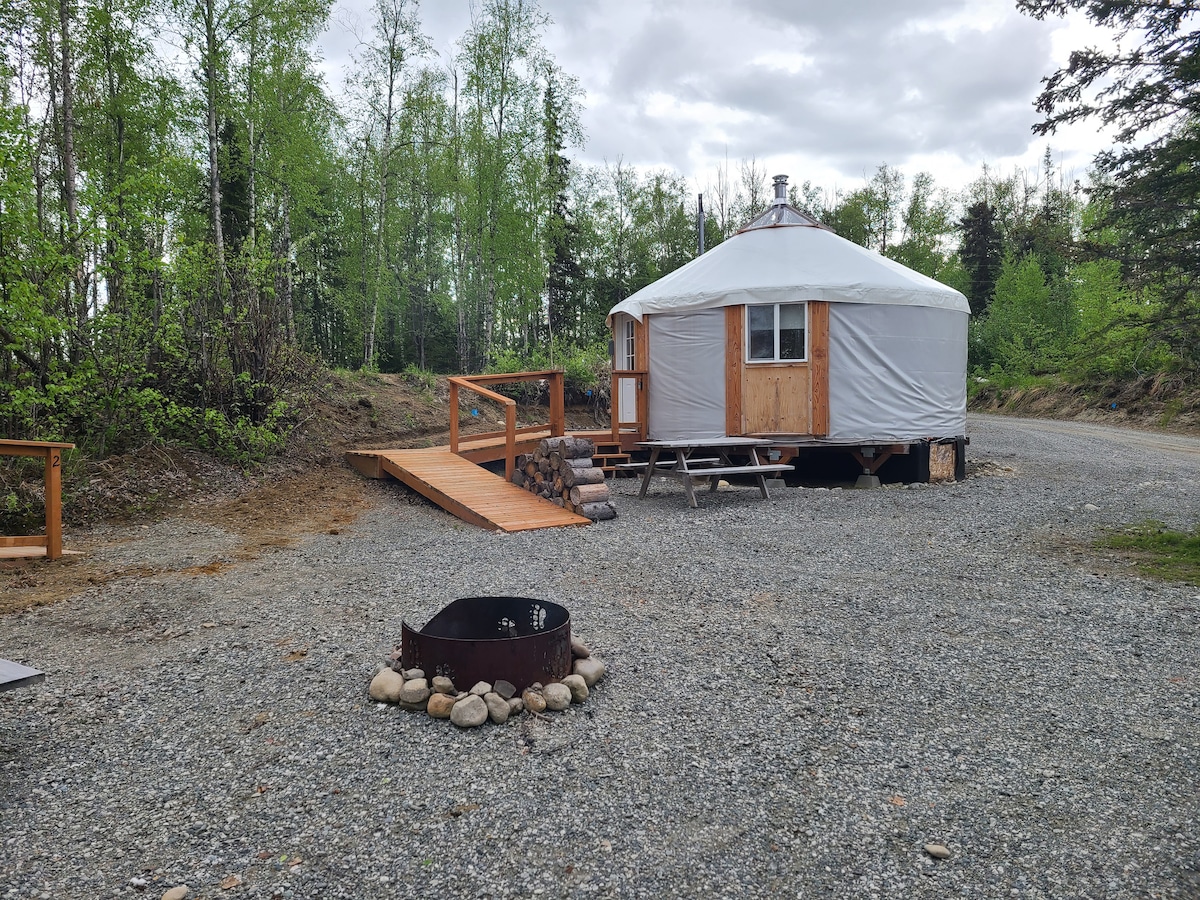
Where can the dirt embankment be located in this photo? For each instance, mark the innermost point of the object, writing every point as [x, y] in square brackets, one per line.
[1152, 403]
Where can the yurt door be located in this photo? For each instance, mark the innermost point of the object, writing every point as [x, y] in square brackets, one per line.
[625, 360]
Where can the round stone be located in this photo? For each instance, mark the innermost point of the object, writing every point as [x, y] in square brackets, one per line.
[497, 707]
[385, 687]
[577, 686]
[176, 893]
[505, 689]
[534, 700]
[470, 712]
[481, 688]
[415, 691]
[515, 706]
[413, 674]
[442, 685]
[591, 670]
[937, 851]
[579, 649]
[440, 705]
[558, 696]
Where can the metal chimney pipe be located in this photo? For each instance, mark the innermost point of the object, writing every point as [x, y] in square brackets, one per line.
[780, 189]
[700, 221]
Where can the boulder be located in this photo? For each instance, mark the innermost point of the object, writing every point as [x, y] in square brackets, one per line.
[440, 705]
[497, 707]
[558, 696]
[469, 713]
[577, 686]
[590, 670]
[385, 687]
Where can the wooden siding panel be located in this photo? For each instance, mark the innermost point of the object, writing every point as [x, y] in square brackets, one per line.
[734, 344]
[776, 399]
[818, 350]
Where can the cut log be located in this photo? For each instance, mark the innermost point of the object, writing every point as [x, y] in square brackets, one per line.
[530, 468]
[589, 493]
[584, 462]
[556, 459]
[519, 478]
[597, 512]
[570, 447]
[572, 477]
[557, 501]
[559, 484]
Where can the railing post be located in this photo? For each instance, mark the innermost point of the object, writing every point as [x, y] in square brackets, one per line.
[558, 415]
[614, 406]
[53, 491]
[453, 417]
[510, 439]
[643, 407]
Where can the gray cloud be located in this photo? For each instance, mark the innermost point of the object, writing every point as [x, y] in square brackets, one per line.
[839, 86]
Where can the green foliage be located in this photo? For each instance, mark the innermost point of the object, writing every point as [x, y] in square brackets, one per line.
[1159, 551]
[1027, 331]
[1147, 88]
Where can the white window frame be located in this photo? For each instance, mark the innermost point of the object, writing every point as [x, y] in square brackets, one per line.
[775, 356]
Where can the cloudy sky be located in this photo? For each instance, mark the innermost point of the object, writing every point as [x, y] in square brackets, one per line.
[818, 89]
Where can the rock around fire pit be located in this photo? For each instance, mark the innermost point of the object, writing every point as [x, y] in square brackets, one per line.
[516, 652]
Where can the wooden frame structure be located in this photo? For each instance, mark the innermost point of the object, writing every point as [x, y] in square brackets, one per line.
[50, 544]
[474, 383]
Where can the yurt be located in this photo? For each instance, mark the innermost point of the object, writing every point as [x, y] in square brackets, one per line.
[787, 331]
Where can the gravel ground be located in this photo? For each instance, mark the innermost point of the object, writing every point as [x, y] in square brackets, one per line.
[801, 694]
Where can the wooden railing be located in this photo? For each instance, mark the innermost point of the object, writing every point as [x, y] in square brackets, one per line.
[557, 426]
[51, 453]
[641, 410]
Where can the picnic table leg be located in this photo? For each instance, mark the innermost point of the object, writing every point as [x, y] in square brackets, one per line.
[762, 486]
[691, 494]
[649, 471]
[681, 465]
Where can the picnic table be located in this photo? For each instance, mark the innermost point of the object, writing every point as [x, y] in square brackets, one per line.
[14, 675]
[687, 467]
[50, 544]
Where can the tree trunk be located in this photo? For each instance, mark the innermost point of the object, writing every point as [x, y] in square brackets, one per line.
[74, 238]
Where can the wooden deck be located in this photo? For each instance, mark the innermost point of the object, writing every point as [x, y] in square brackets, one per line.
[463, 488]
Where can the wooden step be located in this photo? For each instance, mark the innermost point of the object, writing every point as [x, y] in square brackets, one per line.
[609, 462]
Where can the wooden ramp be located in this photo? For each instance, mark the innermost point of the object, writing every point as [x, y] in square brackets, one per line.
[461, 487]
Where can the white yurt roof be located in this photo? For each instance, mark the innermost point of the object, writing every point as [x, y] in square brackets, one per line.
[793, 260]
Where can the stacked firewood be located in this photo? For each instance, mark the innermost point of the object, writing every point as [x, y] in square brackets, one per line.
[561, 470]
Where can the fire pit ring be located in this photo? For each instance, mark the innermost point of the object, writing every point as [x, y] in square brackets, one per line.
[473, 639]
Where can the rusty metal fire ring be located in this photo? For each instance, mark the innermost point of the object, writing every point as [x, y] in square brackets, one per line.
[517, 639]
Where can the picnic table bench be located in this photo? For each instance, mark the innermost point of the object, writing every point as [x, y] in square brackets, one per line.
[14, 675]
[687, 468]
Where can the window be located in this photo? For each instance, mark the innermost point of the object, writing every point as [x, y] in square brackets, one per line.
[628, 355]
[775, 332]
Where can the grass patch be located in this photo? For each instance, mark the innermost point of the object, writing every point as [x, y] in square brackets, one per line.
[1159, 551]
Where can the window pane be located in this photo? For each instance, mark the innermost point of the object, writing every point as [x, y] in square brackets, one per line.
[762, 331]
[791, 331]
[791, 343]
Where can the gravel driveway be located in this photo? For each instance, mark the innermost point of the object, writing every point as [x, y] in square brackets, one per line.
[802, 693]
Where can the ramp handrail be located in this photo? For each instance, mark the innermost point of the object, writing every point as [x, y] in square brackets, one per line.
[557, 425]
